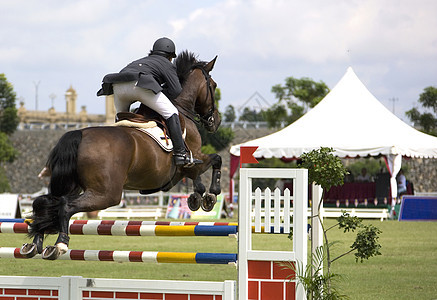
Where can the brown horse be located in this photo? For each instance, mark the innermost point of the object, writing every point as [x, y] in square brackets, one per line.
[90, 167]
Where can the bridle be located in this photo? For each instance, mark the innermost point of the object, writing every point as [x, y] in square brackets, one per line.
[207, 119]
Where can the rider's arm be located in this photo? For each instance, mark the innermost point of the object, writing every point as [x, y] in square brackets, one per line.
[172, 86]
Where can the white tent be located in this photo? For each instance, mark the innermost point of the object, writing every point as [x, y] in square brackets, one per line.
[355, 124]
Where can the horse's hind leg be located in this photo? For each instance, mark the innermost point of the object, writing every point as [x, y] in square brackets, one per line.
[88, 201]
[216, 162]
[61, 245]
[30, 250]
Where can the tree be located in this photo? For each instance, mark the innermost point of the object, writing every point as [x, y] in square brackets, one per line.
[230, 115]
[8, 112]
[427, 120]
[251, 115]
[326, 170]
[8, 124]
[299, 95]
[428, 98]
[276, 115]
[7, 151]
[214, 142]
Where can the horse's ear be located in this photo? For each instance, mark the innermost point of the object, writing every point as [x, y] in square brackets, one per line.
[209, 66]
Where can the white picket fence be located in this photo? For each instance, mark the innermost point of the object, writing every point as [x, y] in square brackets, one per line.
[251, 200]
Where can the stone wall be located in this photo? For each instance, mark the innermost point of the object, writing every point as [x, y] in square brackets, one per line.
[422, 172]
[34, 147]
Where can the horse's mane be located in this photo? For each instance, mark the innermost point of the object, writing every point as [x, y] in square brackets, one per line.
[185, 62]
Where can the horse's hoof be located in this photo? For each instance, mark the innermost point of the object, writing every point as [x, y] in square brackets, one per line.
[194, 201]
[62, 247]
[208, 202]
[28, 250]
[51, 253]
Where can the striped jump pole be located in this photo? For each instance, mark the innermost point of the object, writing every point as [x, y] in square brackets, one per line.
[134, 256]
[163, 223]
[172, 223]
[125, 228]
[132, 230]
[12, 220]
[121, 222]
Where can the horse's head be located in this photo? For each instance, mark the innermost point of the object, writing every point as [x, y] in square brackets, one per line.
[198, 93]
[206, 105]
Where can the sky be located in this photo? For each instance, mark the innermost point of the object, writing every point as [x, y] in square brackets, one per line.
[46, 46]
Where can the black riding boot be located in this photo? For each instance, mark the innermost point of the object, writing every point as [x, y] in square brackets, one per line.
[180, 156]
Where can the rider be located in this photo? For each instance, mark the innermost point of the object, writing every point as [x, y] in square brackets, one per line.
[153, 81]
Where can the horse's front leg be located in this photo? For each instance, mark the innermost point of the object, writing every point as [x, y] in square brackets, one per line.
[195, 200]
[210, 199]
[216, 162]
[206, 200]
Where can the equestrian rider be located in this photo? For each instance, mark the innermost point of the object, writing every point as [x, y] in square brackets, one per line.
[152, 80]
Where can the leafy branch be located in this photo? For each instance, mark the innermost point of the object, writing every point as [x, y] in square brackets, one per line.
[326, 170]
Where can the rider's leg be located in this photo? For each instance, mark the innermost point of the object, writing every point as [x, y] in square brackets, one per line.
[123, 96]
[180, 156]
[162, 105]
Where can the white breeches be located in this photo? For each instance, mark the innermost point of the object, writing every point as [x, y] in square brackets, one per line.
[126, 93]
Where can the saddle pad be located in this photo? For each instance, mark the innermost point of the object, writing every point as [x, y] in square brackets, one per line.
[151, 129]
[157, 134]
[127, 123]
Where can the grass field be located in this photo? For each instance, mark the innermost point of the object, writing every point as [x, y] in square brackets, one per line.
[407, 268]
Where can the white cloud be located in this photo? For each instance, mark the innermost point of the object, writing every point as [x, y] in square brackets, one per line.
[391, 44]
[316, 31]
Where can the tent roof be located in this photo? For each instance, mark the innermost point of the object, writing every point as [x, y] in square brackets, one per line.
[350, 120]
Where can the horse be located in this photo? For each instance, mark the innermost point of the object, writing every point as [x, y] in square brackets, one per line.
[89, 168]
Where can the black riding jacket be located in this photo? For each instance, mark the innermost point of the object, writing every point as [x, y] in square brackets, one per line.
[153, 72]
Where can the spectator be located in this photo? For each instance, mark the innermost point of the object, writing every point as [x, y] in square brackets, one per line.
[349, 177]
[363, 177]
[402, 182]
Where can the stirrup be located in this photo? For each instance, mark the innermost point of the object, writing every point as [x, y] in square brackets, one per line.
[185, 161]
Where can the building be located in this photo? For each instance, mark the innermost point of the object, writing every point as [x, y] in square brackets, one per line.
[51, 119]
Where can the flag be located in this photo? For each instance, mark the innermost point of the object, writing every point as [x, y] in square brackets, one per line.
[246, 155]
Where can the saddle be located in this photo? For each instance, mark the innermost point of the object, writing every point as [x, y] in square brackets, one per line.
[150, 122]
[130, 119]
[143, 115]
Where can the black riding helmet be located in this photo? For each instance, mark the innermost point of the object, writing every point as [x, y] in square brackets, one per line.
[164, 46]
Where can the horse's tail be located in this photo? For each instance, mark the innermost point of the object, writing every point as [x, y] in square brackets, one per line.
[62, 163]
[64, 184]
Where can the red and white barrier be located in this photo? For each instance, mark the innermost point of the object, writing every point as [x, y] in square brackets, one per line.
[79, 288]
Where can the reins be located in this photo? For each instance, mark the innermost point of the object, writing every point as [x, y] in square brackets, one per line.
[208, 118]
